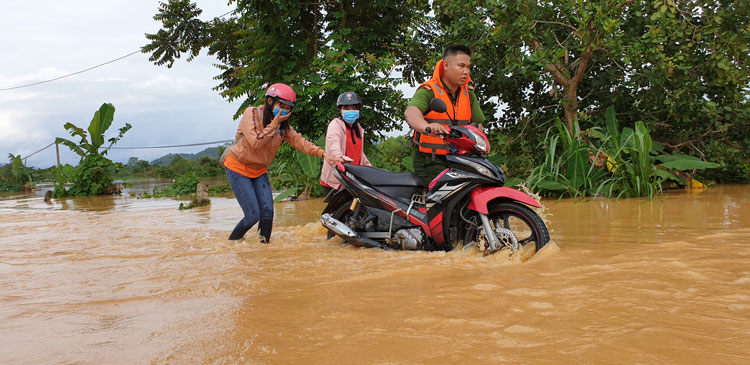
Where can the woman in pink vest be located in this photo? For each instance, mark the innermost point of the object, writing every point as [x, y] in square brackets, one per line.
[344, 138]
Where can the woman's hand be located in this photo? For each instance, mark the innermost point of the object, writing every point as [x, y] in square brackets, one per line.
[331, 159]
[278, 119]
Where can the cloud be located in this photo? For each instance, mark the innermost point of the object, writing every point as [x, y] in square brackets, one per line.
[13, 131]
[165, 106]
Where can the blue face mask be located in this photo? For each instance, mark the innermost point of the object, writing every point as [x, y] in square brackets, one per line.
[350, 116]
[278, 110]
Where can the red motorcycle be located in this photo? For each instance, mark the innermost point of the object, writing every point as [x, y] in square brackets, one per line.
[464, 205]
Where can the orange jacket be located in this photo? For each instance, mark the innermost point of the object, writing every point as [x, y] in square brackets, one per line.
[458, 114]
[257, 149]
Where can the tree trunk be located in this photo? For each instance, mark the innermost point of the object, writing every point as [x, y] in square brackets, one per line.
[570, 104]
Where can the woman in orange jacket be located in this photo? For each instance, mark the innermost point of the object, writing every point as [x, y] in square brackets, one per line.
[261, 130]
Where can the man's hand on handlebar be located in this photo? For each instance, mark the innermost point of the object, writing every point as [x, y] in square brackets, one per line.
[435, 129]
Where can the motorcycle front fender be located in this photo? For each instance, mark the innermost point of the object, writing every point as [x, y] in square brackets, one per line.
[482, 196]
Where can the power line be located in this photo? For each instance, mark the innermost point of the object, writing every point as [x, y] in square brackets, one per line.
[90, 68]
[71, 74]
[140, 148]
[172, 146]
[40, 150]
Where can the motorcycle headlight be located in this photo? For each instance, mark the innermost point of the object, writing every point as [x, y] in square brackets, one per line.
[484, 171]
[481, 145]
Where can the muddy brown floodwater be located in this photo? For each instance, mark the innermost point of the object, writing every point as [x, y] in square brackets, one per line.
[122, 280]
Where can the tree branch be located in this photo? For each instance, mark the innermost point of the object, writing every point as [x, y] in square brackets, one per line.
[582, 65]
[697, 139]
[574, 29]
[552, 68]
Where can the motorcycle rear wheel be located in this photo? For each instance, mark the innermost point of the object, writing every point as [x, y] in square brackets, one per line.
[509, 217]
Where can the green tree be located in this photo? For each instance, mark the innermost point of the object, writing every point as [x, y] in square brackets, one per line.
[319, 48]
[682, 67]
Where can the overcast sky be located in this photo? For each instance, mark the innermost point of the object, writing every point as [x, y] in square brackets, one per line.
[44, 39]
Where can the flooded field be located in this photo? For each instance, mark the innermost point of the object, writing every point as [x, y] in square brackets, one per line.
[125, 280]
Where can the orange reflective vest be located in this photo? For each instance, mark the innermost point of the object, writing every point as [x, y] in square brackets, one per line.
[458, 114]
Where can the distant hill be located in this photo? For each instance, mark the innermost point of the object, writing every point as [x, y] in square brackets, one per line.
[212, 152]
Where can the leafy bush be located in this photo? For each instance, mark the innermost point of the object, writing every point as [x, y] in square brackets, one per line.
[93, 176]
[178, 166]
[185, 184]
[14, 176]
[623, 163]
[392, 154]
[294, 173]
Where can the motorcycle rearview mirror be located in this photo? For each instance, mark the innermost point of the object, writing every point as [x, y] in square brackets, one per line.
[437, 105]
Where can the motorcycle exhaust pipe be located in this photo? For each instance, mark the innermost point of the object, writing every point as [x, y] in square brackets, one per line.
[337, 226]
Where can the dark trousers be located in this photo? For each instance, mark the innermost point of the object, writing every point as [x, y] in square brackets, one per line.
[427, 168]
[256, 200]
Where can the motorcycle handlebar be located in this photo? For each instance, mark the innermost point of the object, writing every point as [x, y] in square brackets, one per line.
[428, 130]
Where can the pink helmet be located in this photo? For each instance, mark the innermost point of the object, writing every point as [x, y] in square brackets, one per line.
[283, 93]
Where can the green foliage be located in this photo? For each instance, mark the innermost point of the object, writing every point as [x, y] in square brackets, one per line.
[185, 184]
[392, 154]
[283, 170]
[194, 203]
[92, 142]
[608, 162]
[204, 167]
[7, 186]
[14, 176]
[681, 67]
[566, 170]
[734, 162]
[220, 189]
[19, 173]
[319, 48]
[294, 172]
[93, 176]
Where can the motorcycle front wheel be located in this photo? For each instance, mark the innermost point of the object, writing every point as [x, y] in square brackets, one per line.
[513, 224]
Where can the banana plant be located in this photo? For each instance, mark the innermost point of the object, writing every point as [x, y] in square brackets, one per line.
[309, 178]
[92, 142]
[94, 171]
[611, 162]
[19, 172]
[639, 165]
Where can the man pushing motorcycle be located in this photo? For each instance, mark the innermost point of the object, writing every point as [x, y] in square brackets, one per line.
[458, 199]
[449, 83]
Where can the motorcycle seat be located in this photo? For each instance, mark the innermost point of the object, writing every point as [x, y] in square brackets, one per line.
[378, 177]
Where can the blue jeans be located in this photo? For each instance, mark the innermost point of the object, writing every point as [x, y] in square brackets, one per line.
[256, 201]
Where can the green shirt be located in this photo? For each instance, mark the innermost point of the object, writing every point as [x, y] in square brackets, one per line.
[422, 97]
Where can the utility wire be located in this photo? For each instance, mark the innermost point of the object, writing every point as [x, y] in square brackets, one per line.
[42, 149]
[90, 68]
[71, 74]
[172, 146]
[140, 148]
